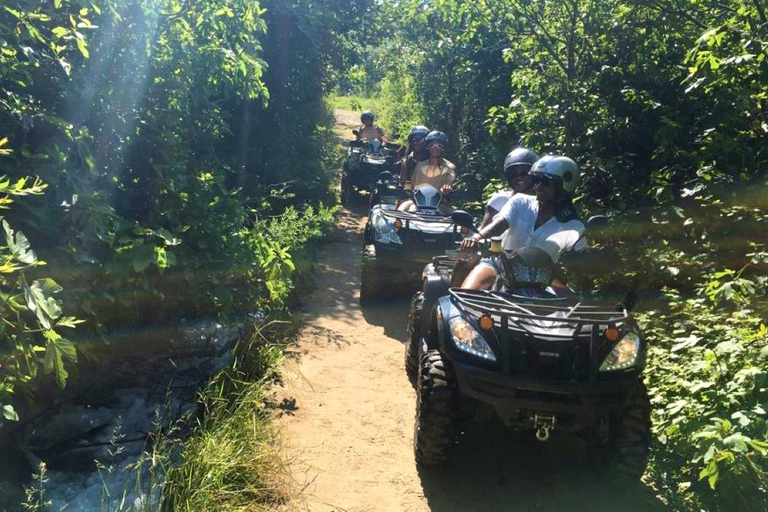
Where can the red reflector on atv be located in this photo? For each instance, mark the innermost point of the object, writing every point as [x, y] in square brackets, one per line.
[486, 323]
[612, 334]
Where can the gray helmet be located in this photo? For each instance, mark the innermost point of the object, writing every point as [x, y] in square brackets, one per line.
[564, 170]
[367, 115]
[436, 136]
[417, 131]
[519, 159]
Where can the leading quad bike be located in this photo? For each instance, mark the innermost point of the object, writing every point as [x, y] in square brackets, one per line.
[397, 244]
[544, 361]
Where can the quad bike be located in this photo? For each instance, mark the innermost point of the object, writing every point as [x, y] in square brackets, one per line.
[363, 166]
[398, 244]
[543, 361]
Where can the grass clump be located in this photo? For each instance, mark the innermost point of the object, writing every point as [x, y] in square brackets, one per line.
[230, 462]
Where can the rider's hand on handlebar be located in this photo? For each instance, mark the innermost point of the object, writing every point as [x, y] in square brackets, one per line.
[446, 189]
[469, 244]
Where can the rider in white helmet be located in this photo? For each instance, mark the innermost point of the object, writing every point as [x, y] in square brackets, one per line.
[547, 221]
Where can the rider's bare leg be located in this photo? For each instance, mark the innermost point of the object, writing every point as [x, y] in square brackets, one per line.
[481, 277]
[461, 270]
[405, 206]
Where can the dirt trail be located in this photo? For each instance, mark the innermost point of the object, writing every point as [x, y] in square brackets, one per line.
[347, 419]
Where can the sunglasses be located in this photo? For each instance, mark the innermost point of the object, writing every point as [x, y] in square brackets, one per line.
[436, 145]
[520, 174]
[543, 179]
[418, 140]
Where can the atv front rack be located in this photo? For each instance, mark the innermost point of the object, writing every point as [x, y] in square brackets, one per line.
[531, 328]
[560, 310]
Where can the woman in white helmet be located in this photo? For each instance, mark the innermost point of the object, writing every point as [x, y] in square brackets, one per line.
[547, 220]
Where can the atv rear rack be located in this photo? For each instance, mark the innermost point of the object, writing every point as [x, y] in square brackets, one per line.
[564, 310]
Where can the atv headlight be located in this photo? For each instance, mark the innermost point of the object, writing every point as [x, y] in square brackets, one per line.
[384, 231]
[624, 354]
[469, 340]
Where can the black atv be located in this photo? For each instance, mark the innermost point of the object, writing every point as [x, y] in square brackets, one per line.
[543, 361]
[398, 244]
[363, 166]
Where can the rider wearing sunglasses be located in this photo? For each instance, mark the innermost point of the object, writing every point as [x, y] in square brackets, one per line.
[547, 220]
[436, 171]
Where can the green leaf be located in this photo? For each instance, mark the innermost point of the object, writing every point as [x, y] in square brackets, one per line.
[169, 239]
[737, 442]
[142, 256]
[759, 446]
[689, 341]
[40, 301]
[83, 47]
[19, 245]
[69, 321]
[9, 413]
[56, 350]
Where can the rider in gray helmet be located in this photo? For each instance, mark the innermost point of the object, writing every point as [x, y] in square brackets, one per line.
[516, 166]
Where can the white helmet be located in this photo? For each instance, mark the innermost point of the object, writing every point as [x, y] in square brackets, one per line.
[563, 169]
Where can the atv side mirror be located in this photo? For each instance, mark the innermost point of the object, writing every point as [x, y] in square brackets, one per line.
[356, 133]
[463, 220]
[629, 302]
[386, 176]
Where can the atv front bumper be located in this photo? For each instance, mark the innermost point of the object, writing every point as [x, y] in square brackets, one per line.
[516, 399]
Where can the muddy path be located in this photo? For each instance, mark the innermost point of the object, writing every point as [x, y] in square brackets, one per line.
[347, 411]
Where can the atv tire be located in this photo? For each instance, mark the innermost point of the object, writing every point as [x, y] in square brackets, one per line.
[370, 285]
[620, 450]
[437, 408]
[413, 339]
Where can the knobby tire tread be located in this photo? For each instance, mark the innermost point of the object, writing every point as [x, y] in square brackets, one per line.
[414, 336]
[436, 411]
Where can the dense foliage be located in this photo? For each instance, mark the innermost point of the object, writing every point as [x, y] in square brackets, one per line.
[168, 160]
[663, 105]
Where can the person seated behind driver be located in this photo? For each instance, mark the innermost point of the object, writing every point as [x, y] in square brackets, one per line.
[547, 220]
[371, 132]
[517, 164]
[414, 153]
[435, 171]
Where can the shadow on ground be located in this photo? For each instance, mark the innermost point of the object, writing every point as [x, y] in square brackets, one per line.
[390, 314]
[507, 470]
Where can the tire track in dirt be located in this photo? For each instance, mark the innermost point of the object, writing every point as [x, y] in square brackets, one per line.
[348, 408]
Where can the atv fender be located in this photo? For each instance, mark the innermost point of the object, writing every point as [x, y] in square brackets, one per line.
[435, 287]
[436, 336]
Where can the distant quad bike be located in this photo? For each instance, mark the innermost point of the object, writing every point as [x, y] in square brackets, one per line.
[398, 244]
[542, 361]
[363, 166]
